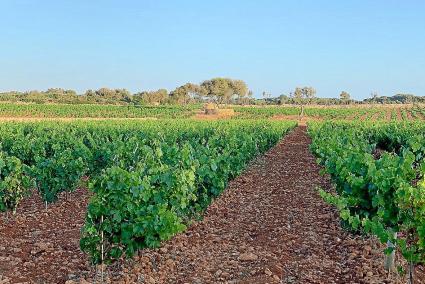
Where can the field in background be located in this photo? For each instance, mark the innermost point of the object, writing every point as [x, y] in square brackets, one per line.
[358, 112]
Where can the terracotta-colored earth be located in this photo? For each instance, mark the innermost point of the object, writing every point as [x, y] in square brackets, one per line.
[269, 226]
[364, 116]
[399, 116]
[42, 246]
[375, 116]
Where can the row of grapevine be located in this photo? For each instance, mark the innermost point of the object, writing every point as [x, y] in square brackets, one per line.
[264, 112]
[329, 113]
[13, 182]
[378, 170]
[148, 179]
[94, 111]
[243, 112]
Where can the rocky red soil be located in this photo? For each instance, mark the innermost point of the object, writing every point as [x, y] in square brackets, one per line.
[42, 246]
[269, 226]
[399, 116]
[376, 116]
[388, 114]
[364, 116]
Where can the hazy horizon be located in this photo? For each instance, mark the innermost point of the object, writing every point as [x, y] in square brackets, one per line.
[274, 46]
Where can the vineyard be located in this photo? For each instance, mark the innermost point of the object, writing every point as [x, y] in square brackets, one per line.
[252, 198]
[333, 113]
[378, 170]
[9, 111]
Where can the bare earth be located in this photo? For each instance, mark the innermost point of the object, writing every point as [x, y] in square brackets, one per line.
[42, 246]
[269, 226]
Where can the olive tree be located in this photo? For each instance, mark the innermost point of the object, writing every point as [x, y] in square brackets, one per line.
[303, 96]
[345, 97]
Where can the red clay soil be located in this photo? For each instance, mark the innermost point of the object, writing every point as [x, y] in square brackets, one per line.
[419, 116]
[399, 116]
[364, 116]
[388, 114]
[42, 246]
[269, 226]
[375, 116]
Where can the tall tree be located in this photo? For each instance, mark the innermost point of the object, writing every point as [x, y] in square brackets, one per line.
[186, 93]
[240, 89]
[298, 95]
[303, 96]
[223, 90]
[345, 97]
[152, 97]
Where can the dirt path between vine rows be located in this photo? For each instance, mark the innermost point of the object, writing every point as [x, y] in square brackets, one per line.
[269, 226]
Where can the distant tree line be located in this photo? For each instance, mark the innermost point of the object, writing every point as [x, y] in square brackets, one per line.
[299, 97]
[217, 90]
[396, 99]
[307, 95]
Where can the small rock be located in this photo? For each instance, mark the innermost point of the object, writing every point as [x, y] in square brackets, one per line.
[369, 274]
[137, 268]
[268, 272]
[249, 256]
[42, 246]
[29, 264]
[141, 278]
[169, 262]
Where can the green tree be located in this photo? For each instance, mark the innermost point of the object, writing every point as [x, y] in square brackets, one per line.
[186, 93]
[106, 95]
[303, 96]
[224, 90]
[152, 97]
[345, 97]
[240, 89]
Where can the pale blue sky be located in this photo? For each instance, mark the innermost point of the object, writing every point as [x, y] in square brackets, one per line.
[358, 46]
